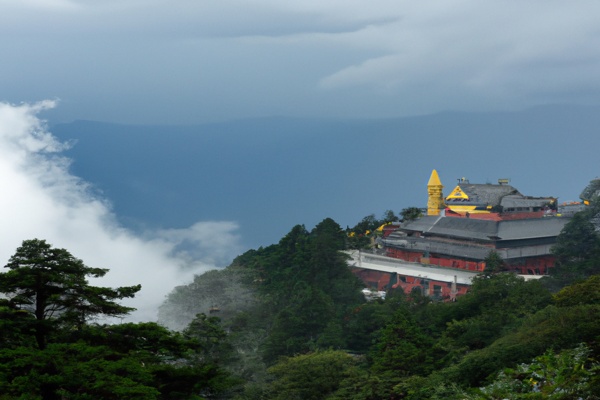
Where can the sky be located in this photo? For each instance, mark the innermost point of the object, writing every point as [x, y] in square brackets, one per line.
[189, 61]
[197, 61]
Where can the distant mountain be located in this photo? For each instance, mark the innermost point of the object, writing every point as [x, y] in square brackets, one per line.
[270, 174]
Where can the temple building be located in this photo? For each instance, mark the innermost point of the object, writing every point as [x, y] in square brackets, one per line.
[461, 229]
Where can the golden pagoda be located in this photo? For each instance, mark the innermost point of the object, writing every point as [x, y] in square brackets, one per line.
[435, 202]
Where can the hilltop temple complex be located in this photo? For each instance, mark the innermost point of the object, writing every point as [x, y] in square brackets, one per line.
[462, 228]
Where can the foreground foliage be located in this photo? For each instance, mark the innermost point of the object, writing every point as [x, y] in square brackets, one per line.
[289, 322]
[51, 349]
[569, 374]
[310, 376]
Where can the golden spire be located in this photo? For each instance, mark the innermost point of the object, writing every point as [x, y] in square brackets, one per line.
[435, 202]
[434, 180]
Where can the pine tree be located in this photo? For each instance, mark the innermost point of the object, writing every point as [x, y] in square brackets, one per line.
[50, 286]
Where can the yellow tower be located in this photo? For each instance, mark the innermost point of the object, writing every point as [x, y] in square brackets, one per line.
[435, 203]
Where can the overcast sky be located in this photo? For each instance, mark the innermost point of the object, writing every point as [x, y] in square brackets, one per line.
[184, 61]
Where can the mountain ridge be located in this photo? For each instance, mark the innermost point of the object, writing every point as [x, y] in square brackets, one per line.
[271, 173]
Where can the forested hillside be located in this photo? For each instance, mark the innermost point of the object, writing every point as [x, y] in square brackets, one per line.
[289, 321]
[305, 332]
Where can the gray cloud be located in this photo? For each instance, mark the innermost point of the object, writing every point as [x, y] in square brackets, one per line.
[186, 61]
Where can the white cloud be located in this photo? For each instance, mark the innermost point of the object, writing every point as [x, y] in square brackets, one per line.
[39, 5]
[41, 199]
[210, 241]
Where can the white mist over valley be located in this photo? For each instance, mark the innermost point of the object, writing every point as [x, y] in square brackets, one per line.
[42, 199]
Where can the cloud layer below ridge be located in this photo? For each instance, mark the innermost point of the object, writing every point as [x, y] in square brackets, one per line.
[42, 199]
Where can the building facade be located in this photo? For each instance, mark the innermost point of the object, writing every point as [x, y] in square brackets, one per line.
[459, 232]
[476, 219]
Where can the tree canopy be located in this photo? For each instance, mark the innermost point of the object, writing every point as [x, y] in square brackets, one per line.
[307, 314]
[577, 249]
[54, 348]
[51, 285]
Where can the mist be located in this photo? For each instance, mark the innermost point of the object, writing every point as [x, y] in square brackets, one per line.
[42, 199]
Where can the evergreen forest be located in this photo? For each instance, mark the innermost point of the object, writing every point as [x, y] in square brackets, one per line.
[289, 321]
